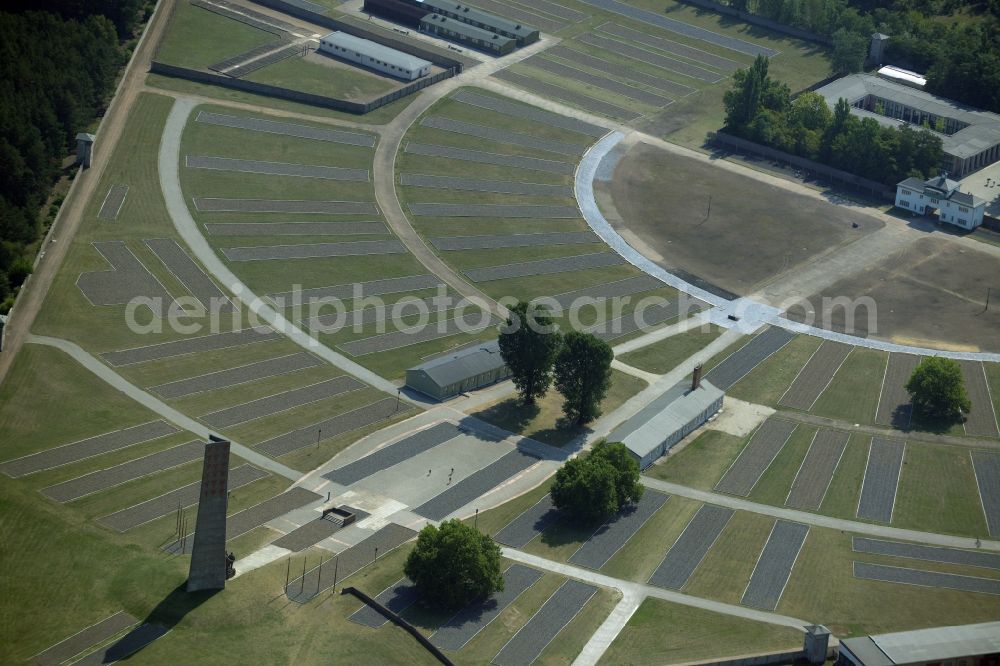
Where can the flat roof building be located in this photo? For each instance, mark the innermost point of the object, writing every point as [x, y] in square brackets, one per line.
[523, 34]
[375, 56]
[465, 33]
[966, 645]
[465, 370]
[970, 137]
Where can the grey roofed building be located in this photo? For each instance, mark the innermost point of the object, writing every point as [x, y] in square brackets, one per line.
[971, 138]
[375, 50]
[667, 420]
[923, 646]
[468, 34]
[465, 370]
[524, 34]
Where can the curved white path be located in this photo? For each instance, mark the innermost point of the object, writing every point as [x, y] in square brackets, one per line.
[752, 314]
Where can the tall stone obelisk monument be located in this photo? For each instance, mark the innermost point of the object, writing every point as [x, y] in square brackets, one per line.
[208, 555]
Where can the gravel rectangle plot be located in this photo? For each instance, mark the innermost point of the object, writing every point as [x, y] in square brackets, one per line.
[972, 558]
[397, 597]
[243, 521]
[471, 322]
[691, 547]
[585, 102]
[476, 484]
[987, 467]
[894, 406]
[110, 477]
[127, 279]
[472, 619]
[511, 12]
[815, 376]
[481, 157]
[878, 492]
[275, 168]
[647, 318]
[681, 28]
[333, 322]
[271, 367]
[981, 421]
[294, 206]
[612, 535]
[545, 266]
[280, 402]
[514, 240]
[287, 129]
[476, 185]
[127, 645]
[558, 10]
[113, 202]
[501, 135]
[526, 112]
[183, 497]
[332, 427]
[756, 457]
[601, 82]
[348, 562]
[670, 46]
[96, 633]
[816, 472]
[360, 289]
[307, 535]
[186, 346]
[621, 71]
[529, 641]
[626, 287]
[887, 574]
[518, 532]
[394, 454]
[314, 250]
[650, 58]
[532, 211]
[775, 565]
[739, 364]
[86, 448]
[296, 229]
[188, 272]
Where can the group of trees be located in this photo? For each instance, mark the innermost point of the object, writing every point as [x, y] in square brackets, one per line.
[956, 43]
[760, 109]
[537, 354]
[592, 488]
[58, 63]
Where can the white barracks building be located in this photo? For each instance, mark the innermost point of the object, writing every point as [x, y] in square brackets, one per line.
[368, 53]
[942, 196]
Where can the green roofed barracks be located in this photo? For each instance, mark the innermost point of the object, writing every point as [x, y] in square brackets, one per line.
[465, 370]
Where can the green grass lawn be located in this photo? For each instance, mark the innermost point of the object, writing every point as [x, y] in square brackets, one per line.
[767, 382]
[197, 38]
[728, 565]
[311, 75]
[852, 396]
[542, 421]
[842, 496]
[661, 632]
[701, 463]
[993, 380]
[774, 484]
[663, 356]
[639, 558]
[938, 492]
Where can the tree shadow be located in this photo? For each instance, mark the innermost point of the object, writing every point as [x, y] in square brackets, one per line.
[511, 414]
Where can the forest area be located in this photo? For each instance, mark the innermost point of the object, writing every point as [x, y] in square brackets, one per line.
[59, 61]
[954, 43]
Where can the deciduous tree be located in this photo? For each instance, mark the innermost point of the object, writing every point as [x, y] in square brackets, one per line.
[454, 564]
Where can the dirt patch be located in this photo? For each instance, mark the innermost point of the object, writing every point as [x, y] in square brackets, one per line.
[729, 230]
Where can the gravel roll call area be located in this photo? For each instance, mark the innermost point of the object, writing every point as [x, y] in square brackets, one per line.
[397, 597]
[314, 250]
[670, 46]
[816, 472]
[501, 135]
[280, 402]
[756, 457]
[391, 455]
[650, 58]
[190, 274]
[275, 168]
[604, 83]
[110, 477]
[902, 575]
[691, 547]
[243, 374]
[359, 289]
[739, 364]
[514, 240]
[128, 278]
[481, 157]
[982, 420]
[987, 467]
[203, 343]
[287, 129]
[815, 376]
[332, 228]
[183, 497]
[585, 102]
[113, 202]
[775, 565]
[578, 262]
[621, 71]
[595, 552]
[971, 558]
[475, 485]
[526, 112]
[334, 426]
[479, 185]
[104, 630]
[296, 206]
[464, 625]
[530, 211]
[470, 323]
[518, 532]
[894, 406]
[878, 492]
[86, 448]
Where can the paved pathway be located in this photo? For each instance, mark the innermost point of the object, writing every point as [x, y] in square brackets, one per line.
[156, 405]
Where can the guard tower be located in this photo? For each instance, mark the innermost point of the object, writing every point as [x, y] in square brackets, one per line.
[817, 643]
[876, 48]
[209, 562]
[84, 148]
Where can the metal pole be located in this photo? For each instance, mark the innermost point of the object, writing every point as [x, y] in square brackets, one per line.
[319, 574]
[319, 434]
[376, 555]
[398, 391]
[288, 572]
[476, 521]
[336, 565]
[302, 587]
